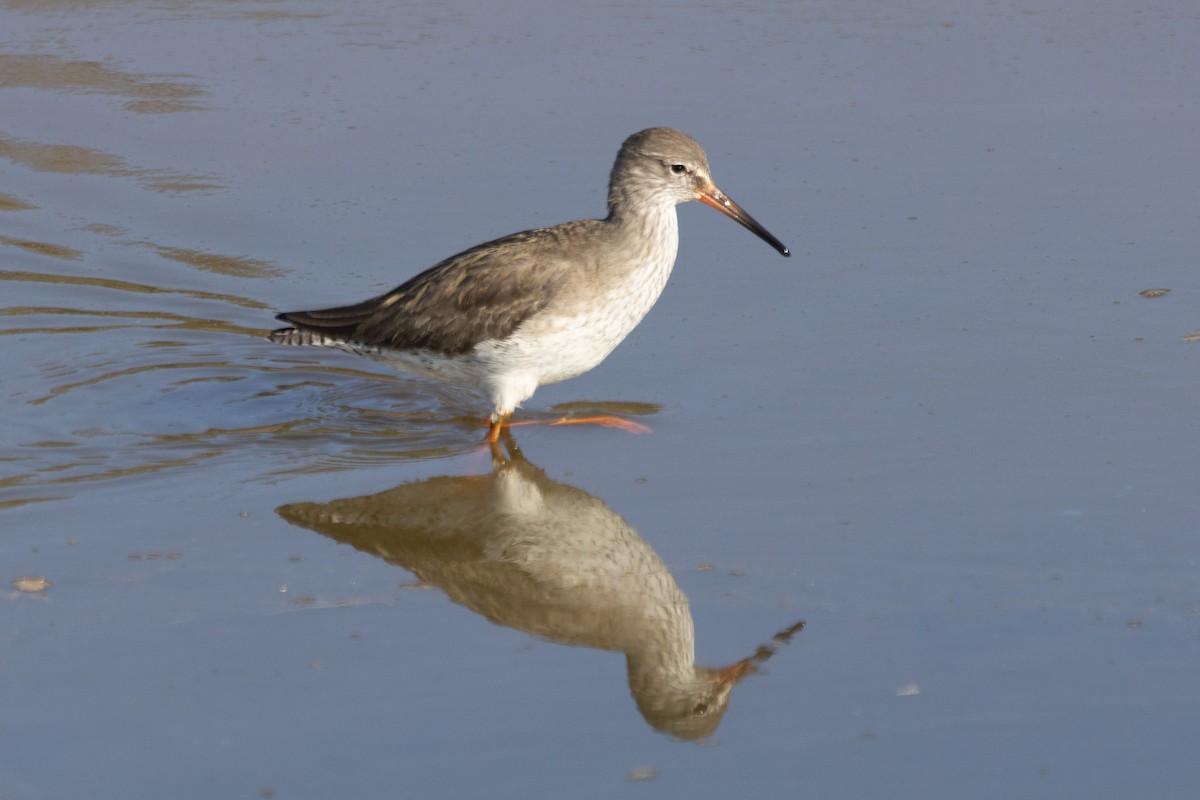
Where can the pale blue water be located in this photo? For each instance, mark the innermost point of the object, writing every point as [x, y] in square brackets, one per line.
[949, 433]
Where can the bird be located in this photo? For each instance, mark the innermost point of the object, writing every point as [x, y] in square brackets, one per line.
[543, 305]
[531, 553]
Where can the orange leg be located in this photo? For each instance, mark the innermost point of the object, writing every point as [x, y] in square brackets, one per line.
[607, 420]
[495, 425]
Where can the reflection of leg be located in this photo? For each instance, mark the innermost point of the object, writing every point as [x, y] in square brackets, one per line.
[505, 441]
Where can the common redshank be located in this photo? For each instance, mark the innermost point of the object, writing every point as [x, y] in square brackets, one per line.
[543, 305]
[547, 558]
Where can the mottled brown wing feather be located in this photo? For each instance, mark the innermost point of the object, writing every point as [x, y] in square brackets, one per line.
[480, 294]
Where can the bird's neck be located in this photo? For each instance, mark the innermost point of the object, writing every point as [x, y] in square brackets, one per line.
[665, 655]
[647, 225]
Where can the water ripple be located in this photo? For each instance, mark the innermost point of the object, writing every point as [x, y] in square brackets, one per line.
[109, 380]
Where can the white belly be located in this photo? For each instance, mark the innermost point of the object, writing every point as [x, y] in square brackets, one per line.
[557, 345]
[574, 333]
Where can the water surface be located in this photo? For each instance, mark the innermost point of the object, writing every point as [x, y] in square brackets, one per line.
[950, 435]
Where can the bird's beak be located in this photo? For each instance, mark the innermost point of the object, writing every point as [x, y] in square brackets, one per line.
[733, 674]
[712, 196]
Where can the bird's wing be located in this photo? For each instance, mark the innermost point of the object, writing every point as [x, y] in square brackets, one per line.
[480, 294]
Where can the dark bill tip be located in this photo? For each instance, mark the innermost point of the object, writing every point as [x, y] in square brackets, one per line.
[715, 198]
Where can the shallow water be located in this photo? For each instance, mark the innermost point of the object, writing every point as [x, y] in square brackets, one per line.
[949, 435]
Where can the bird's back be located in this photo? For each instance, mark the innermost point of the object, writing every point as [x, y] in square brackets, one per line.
[481, 294]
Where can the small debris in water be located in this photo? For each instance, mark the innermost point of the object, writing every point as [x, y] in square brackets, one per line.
[639, 774]
[908, 690]
[1153, 292]
[1192, 337]
[31, 585]
[705, 566]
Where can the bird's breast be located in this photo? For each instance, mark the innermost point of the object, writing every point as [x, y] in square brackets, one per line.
[575, 333]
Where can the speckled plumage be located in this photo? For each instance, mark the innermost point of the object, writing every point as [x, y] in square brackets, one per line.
[540, 306]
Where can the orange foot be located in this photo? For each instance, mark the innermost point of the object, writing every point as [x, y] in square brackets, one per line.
[608, 421]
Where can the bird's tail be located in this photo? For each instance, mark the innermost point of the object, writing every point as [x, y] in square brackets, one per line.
[327, 327]
[298, 336]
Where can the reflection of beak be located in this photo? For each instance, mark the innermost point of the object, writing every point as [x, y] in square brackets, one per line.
[733, 674]
[712, 196]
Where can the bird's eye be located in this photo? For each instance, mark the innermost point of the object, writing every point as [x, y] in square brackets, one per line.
[700, 709]
[678, 169]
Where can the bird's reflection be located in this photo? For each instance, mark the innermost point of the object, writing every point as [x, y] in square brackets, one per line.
[549, 559]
